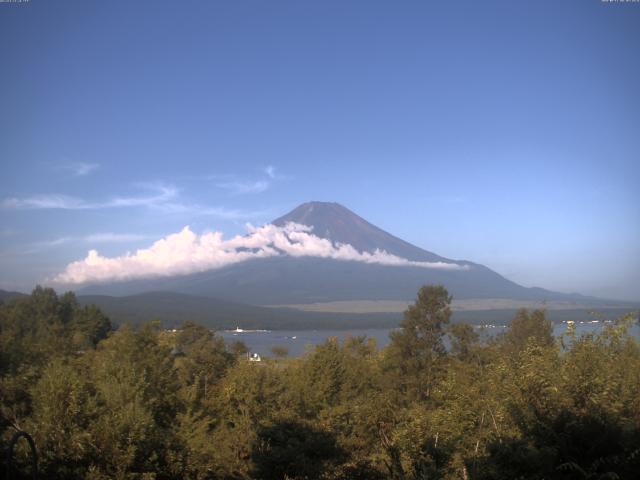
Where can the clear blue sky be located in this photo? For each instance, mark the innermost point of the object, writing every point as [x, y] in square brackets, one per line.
[502, 132]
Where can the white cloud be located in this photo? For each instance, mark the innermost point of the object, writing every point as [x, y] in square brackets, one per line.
[239, 186]
[80, 169]
[270, 170]
[77, 169]
[228, 214]
[53, 201]
[273, 173]
[44, 244]
[113, 237]
[159, 197]
[186, 252]
[106, 237]
[243, 188]
[160, 194]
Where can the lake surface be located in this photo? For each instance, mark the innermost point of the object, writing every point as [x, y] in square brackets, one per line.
[297, 341]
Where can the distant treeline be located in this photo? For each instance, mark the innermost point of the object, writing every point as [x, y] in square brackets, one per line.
[142, 403]
[172, 309]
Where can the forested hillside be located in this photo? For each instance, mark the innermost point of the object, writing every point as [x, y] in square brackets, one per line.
[146, 403]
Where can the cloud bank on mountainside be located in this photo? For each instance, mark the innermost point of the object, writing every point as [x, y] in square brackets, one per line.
[186, 252]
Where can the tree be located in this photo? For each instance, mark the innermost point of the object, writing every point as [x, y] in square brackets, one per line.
[417, 351]
[41, 326]
[90, 326]
[239, 348]
[63, 409]
[205, 358]
[290, 449]
[463, 340]
[324, 374]
[526, 328]
[248, 396]
[136, 391]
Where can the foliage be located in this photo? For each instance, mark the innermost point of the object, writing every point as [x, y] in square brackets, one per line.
[417, 352]
[147, 403]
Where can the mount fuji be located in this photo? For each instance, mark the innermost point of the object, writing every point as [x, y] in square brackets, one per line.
[287, 279]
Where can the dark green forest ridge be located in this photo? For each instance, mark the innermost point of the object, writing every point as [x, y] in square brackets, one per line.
[143, 403]
[172, 309]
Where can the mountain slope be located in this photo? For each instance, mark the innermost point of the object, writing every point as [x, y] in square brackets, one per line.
[175, 308]
[6, 296]
[339, 224]
[294, 280]
[286, 280]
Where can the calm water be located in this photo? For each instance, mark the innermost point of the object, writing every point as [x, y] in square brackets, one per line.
[297, 341]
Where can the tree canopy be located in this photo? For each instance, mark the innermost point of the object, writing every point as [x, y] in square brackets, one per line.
[437, 403]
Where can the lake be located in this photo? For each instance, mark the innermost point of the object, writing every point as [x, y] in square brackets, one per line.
[297, 341]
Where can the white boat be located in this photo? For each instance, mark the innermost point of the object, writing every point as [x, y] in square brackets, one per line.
[242, 330]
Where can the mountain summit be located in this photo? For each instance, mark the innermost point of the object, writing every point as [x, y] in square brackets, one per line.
[340, 225]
